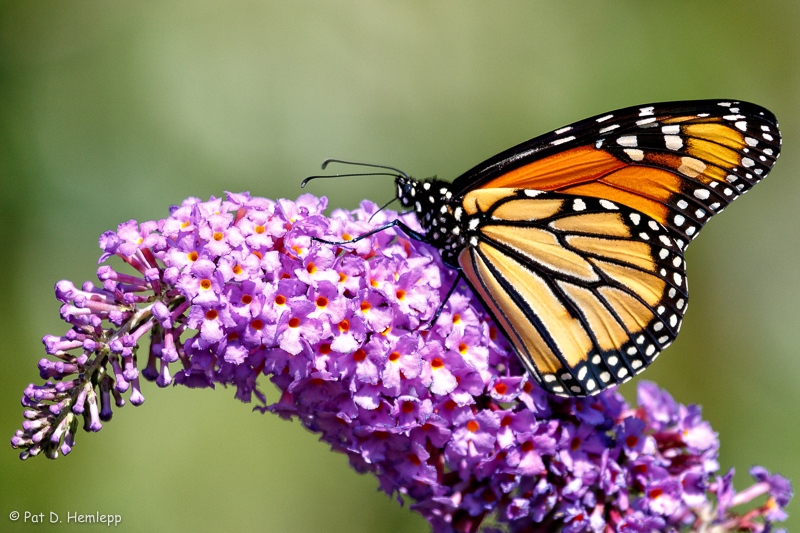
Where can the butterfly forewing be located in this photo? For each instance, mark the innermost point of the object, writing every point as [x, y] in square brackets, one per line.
[588, 291]
[679, 163]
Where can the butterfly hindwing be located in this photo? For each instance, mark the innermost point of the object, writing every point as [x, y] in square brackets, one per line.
[588, 291]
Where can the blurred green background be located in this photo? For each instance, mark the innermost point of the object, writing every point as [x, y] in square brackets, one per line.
[117, 110]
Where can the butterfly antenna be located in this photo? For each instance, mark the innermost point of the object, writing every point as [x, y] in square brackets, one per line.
[357, 163]
[303, 184]
[382, 208]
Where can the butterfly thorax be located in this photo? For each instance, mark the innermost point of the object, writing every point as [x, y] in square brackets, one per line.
[431, 201]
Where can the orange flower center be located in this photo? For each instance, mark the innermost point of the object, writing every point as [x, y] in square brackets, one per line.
[280, 299]
[322, 302]
[218, 235]
[437, 363]
[325, 349]
[205, 284]
[506, 421]
[394, 357]
[528, 387]
[237, 270]
[473, 426]
[344, 325]
[450, 405]
[365, 307]
[346, 236]
[259, 229]
[462, 348]
[493, 333]
[632, 441]
[256, 324]
[414, 460]
[401, 295]
[342, 277]
[232, 336]
[294, 322]
[655, 493]
[246, 299]
[527, 446]
[456, 318]
[310, 268]
[408, 407]
[501, 388]
[373, 283]
[258, 254]
[192, 256]
[359, 355]
[211, 314]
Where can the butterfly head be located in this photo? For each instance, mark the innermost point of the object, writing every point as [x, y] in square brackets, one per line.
[406, 190]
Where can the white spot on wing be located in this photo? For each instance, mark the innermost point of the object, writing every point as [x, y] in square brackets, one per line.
[628, 140]
[634, 154]
[609, 128]
[563, 130]
[691, 167]
[673, 142]
[564, 140]
[602, 119]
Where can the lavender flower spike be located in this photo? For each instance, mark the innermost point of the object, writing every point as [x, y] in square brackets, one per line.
[444, 417]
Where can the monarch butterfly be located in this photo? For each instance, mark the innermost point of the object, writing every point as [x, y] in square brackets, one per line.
[574, 241]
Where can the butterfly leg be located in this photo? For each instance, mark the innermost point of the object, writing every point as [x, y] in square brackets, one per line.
[447, 297]
[394, 223]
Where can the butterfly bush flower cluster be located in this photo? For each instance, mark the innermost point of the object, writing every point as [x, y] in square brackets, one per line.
[232, 289]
